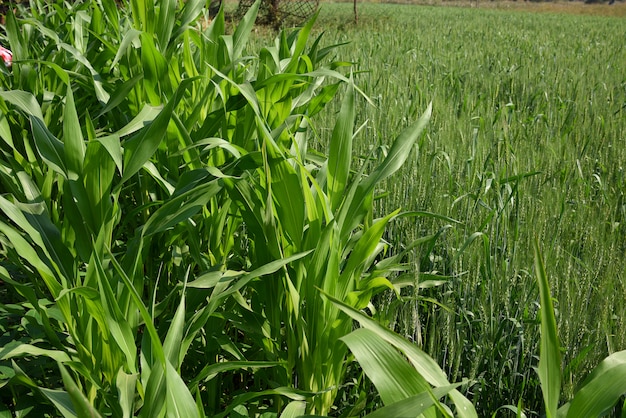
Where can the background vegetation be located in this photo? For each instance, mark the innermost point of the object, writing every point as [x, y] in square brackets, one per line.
[524, 142]
[178, 199]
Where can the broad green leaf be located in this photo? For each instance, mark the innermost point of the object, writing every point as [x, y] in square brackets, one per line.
[126, 392]
[16, 349]
[190, 12]
[549, 369]
[180, 403]
[35, 221]
[144, 118]
[363, 251]
[212, 278]
[157, 348]
[165, 23]
[116, 322]
[5, 130]
[101, 93]
[28, 253]
[180, 208]
[413, 406]
[340, 154]
[5, 412]
[154, 68]
[243, 30]
[174, 337]
[155, 392]
[424, 364]
[287, 194]
[50, 148]
[212, 370]
[600, 391]
[394, 377]
[293, 409]
[120, 94]
[290, 393]
[130, 37]
[98, 174]
[25, 101]
[72, 137]
[142, 146]
[61, 400]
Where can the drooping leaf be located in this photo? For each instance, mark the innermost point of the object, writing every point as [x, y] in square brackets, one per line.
[423, 363]
[82, 406]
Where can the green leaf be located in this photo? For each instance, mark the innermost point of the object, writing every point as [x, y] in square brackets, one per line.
[143, 145]
[190, 12]
[424, 364]
[352, 210]
[120, 94]
[180, 403]
[35, 221]
[171, 346]
[287, 193]
[130, 37]
[243, 30]
[181, 207]
[72, 137]
[112, 144]
[394, 377]
[600, 391]
[294, 409]
[101, 93]
[146, 116]
[364, 251]
[126, 392]
[211, 370]
[23, 100]
[28, 253]
[61, 400]
[154, 68]
[549, 369]
[50, 148]
[17, 349]
[165, 22]
[83, 408]
[340, 154]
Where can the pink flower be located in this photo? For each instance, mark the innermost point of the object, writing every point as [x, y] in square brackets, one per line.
[6, 55]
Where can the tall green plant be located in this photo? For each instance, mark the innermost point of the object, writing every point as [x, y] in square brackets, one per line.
[116, 157]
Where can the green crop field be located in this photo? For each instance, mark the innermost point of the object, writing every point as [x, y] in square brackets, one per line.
[526, 141]
[420, 214]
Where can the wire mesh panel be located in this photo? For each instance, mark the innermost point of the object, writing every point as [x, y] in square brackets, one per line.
[280, 11]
